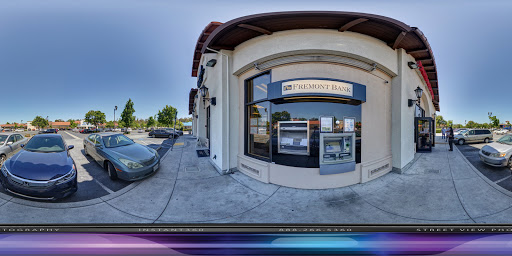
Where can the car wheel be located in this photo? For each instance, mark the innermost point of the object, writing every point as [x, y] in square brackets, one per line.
[509, 164]
[171, 136]
[112, 174]
[153, 136]
[85, 151]
[486, 140]
[2, 159]
[461, 142]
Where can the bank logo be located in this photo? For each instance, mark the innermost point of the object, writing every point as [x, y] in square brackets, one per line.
[287, 87]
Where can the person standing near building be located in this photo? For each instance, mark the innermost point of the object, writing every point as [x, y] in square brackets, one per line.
[450, 138]
[443, 132]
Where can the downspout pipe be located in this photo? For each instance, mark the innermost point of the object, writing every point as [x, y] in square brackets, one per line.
[228, 171]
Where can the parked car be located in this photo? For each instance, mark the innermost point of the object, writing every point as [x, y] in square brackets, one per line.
[498, 153]
[43, 169]
[178, 132]
[501, 131]
[140, 131]
[474, 135]
[121, 157]
[87, 131]
[48, 131]
[19, 130]
[162, 133]
[10, 143]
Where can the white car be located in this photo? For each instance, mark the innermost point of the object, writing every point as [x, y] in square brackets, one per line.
[19, 130]
[501, 131]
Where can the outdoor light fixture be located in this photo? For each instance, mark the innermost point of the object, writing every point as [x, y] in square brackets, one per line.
[204, 92]
[412, 65]
[418, 93]
[211, 63]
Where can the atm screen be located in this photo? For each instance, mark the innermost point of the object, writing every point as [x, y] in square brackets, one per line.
[332, 146]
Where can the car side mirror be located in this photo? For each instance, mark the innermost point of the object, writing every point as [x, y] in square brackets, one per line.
[22, 145]
[71, 147]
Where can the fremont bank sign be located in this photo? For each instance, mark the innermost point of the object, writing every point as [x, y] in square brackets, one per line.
[317, 86]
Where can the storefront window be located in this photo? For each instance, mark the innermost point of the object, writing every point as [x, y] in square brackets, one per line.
[257, 87]
[258, 130]
[301, 115]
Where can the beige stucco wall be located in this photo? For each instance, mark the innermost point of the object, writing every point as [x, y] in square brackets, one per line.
[387, 120]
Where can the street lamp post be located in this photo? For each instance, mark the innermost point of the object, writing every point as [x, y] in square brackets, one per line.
[115, 108]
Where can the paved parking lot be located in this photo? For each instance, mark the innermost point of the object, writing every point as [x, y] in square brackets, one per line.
[93, 181]
[499, 175]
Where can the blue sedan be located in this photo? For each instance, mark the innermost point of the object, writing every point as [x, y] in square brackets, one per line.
[43, 170]
[121, 157]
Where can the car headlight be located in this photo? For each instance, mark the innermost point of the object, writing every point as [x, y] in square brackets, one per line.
[498, 154]
[68, 176]
[130, 164]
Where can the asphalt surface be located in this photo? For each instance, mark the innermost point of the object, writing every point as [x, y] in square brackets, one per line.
[499, 175]
[93, 180]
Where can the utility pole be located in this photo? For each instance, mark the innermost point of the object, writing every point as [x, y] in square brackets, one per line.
[174, 136]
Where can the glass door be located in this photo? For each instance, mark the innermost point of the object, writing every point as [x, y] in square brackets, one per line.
[424, 133]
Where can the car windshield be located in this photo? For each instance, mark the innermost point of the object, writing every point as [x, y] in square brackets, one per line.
[116, 140]
[463, 132]
[45, 144]
[2, 139]
[506, 140]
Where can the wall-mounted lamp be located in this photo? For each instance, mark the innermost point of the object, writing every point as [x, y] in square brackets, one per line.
[211, 63]
[204, 92]
[412, 65]
[418, 93]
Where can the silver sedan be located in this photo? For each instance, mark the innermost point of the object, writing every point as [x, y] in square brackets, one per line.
[499, 153]
[10, 143]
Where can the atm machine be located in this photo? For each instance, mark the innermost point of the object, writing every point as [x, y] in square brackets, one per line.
[337, 153]
[293, 137]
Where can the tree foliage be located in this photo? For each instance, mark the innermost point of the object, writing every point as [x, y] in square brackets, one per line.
[95, 117]
[494, 121]
[151, 122]
[40, 122]
[127, 115]
[166, 115]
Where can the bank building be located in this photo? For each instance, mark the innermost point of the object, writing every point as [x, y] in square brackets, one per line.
[313, 99]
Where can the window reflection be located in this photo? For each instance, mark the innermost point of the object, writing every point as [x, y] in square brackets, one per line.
[259, 133]
[311, 112]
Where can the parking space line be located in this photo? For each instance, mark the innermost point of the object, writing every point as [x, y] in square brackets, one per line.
[72, 135]
[498, 181]
[104, 187]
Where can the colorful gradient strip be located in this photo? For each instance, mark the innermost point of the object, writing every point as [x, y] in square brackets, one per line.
[259, 244]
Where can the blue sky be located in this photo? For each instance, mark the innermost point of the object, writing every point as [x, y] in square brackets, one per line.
[63, 58]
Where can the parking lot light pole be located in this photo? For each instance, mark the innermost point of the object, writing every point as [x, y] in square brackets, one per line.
[115, 108]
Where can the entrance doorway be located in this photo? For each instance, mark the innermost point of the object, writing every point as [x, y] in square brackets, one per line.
[424, 133]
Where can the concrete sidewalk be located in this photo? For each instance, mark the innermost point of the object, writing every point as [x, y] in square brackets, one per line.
[439, 187]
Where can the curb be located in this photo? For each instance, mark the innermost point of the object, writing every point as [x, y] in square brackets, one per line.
[487, 180]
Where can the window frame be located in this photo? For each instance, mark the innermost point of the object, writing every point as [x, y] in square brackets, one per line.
[246, 117]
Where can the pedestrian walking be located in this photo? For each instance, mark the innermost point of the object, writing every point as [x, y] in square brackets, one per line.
[450, 138]
[443, 132]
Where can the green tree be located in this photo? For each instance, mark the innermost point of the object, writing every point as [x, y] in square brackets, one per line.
[39, 122]
[109, 124]
[185, 119]
[59, 120]
[449, 123]
[127, 115]
[166, 116]
[72, 123]
[95, 117]
[151, 122]
[471, 124]
[494, 121]
[440, 121]
[281, 116]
